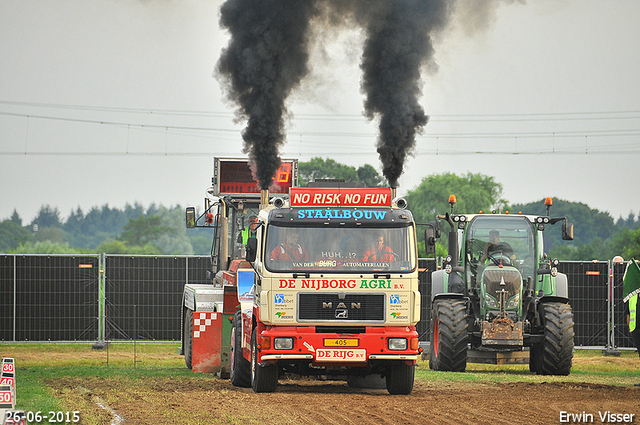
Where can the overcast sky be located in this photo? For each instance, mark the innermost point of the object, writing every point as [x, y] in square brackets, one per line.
[115, 102]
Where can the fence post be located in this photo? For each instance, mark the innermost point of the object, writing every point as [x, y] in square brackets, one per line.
[611, 349]
[100, 344]
[15, 291]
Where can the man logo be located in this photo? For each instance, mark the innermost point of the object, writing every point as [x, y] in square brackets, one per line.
[341, 305]
[342, 314]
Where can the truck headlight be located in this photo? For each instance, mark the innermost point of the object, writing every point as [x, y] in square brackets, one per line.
[488, 299]
[398, 344]
[281, 343]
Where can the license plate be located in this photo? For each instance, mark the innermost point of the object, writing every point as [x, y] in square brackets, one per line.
[340, 342]
[341, 355]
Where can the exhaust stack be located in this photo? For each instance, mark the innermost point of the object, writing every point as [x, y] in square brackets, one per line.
[393, 192]
[264, 198]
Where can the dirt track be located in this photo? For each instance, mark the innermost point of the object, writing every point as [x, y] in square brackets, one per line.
[211, 401]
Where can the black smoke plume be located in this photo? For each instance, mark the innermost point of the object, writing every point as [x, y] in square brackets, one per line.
[398, 45]
[267, 58]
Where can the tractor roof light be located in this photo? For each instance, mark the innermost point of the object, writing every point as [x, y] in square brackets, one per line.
[452, 202]
[548, 202]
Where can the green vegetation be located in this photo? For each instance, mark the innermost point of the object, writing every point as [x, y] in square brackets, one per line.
[160, 230]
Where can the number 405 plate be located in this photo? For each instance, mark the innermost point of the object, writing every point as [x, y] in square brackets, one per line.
[340, 342]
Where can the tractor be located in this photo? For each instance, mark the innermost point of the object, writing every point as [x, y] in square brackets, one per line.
[498, 298]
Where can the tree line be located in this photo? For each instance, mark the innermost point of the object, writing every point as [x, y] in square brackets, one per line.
[159, 230]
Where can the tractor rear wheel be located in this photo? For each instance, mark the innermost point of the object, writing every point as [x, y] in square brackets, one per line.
[264, 378]
[400, 377]
[557, 348]
[240, 367]
[449, 336]
[188, 337]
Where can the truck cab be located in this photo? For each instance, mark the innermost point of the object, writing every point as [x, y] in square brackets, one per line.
[336, 289]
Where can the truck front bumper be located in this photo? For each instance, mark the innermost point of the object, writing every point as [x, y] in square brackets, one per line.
[323, 348]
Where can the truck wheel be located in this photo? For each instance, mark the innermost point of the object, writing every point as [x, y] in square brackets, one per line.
[188, 337]
[240, 367]
[400, 378]
[449, 337]
[557, 347]
[264, 379]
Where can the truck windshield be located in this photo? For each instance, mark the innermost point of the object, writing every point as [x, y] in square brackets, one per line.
[337, 249]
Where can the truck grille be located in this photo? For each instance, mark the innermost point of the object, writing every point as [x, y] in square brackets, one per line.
[328, 307]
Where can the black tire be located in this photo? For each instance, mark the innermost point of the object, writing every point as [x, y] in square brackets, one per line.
[535, 358]
[557, 348]
[264, 379]
[400, 376]
[188, 337]
[449, 338]
[240, 367]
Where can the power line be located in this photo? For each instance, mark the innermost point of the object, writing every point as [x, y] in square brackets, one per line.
[541, 134]
[542, 116]
[323, 152]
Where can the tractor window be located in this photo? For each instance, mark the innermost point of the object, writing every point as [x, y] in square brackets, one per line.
[336, 249]
[493, 240]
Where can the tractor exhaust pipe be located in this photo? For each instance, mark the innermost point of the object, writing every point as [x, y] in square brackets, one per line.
[264, 198]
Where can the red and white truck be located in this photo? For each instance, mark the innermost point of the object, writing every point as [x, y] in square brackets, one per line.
[328, 287]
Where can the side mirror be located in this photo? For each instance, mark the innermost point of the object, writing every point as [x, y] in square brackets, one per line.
[430, 239]
[190, 217]
[567, 231]
[252, 249]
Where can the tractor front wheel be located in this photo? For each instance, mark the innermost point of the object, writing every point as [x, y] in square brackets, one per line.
[556, 351]
[449, 338]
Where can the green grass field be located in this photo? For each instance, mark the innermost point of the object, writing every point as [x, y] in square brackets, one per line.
[42, 367]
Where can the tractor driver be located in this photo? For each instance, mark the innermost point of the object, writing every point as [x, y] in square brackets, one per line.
[494, 246]
[248, 232]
